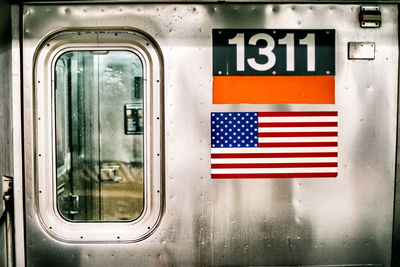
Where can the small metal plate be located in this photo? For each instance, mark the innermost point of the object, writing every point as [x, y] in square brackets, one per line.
[361, 50]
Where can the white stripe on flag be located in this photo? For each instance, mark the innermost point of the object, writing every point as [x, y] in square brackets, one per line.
[273, 150]
[296, 139]
[272, 160]
[275, 170]
[298, 119]
[297, 129]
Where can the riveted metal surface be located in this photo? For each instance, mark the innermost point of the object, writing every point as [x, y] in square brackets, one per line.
[346, 220]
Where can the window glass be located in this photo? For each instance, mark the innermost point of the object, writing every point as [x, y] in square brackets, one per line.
[99, 135]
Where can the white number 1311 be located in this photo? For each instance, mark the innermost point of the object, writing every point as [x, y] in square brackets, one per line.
[267, 51]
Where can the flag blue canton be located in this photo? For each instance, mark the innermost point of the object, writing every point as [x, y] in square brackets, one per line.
[234, 129]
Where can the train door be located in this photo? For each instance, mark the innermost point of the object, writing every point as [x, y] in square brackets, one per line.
[127, 155]
[97, 129]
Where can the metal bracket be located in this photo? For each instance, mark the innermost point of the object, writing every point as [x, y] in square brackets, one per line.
[361, 50]
[7, 188]
[7, 193]
[370, 17]
[71, 204]
[7, 217]
[107, 174]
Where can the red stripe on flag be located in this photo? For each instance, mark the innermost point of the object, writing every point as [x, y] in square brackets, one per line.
[274, 165]
[299, 144]
[298, 124]
[275, 175]
[273, 155]
[297, 134]
[298, 114]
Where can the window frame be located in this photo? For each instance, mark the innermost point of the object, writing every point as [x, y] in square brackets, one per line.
[45, 153]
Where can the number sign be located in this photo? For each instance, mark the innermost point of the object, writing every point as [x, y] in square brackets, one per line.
[266, 66]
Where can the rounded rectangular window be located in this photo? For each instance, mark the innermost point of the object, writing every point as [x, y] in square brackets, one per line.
[99, 132]
[99, 135]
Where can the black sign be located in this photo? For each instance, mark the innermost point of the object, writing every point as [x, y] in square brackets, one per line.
[133, 119]
[264, 52]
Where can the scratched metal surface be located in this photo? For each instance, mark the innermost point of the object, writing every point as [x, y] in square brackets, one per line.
[342, 221]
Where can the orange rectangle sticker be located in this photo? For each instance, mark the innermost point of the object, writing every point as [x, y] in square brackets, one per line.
[274, 89]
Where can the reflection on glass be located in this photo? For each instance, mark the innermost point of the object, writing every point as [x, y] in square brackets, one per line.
[99, 161]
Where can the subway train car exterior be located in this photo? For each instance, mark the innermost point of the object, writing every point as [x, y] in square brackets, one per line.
[199, 133]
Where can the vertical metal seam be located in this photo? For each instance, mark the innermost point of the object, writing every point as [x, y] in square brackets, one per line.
[20, 26]
[394, 258]
[99, 127]
[18, 149]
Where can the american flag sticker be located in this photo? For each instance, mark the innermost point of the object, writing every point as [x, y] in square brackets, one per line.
[274, 144]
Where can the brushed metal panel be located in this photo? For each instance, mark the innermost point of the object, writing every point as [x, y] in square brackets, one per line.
[6, 140]
[342, 221]
[396, 219]
[19, 224]
[6, 156]
[206, 1]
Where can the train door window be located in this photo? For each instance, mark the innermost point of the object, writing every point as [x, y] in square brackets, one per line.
[99, 135]
[98, 132]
